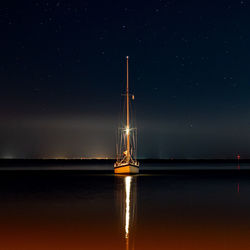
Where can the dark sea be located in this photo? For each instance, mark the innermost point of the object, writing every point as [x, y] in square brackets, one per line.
[166, 206]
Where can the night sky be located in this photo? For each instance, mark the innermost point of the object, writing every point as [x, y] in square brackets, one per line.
[62, 72]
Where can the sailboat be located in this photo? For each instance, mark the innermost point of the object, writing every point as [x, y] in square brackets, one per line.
[126, 162]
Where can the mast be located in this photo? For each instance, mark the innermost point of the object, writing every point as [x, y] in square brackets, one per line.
[128, 127]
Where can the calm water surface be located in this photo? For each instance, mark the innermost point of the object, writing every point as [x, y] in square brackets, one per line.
[81, 210]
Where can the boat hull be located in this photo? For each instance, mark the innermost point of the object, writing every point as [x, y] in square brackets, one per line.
[127, 169]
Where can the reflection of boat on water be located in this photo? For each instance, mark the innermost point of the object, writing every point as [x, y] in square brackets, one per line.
[126, 147]
[127, 206]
